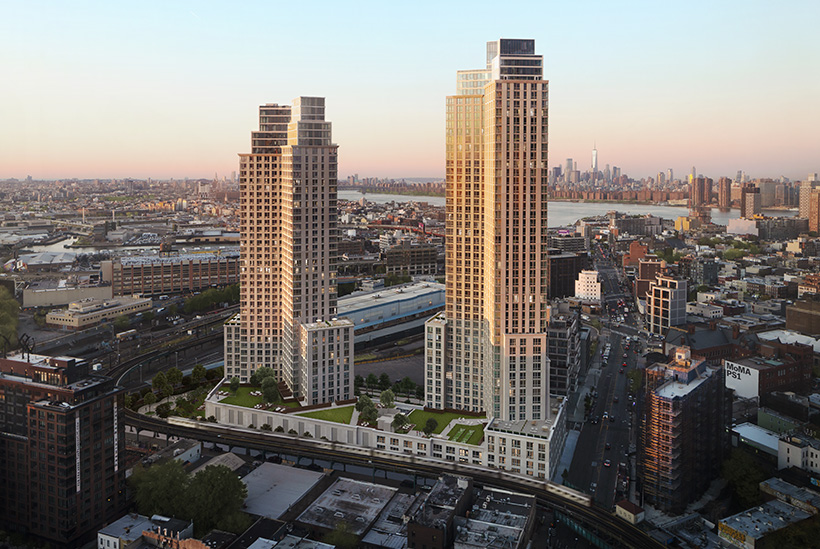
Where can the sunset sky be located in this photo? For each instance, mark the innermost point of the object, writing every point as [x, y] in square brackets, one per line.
[171, 89]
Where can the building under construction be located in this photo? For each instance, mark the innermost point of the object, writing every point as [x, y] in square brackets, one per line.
[683, 430]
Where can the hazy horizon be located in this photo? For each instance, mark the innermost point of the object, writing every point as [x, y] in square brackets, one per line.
[109, 90]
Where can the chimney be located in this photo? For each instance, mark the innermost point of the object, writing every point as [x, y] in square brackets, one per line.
[735, 331]
[690, 328]
[712, 325]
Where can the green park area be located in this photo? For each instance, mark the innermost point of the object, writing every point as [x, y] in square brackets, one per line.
[342, 414]
[469, 434]
[243, 397]
[420, 417]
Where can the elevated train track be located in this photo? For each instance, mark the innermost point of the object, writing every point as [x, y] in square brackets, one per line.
[613, 530]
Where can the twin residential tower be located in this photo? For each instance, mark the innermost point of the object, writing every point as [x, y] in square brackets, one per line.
[288, 252]
[488, 351]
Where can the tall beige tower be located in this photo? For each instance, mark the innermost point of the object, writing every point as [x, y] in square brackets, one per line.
[489, 350]
[288, 252]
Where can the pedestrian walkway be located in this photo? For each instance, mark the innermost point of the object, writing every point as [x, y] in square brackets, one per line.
[566, 456]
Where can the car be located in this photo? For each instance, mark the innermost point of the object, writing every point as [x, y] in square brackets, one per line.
[607, 446]
[621, 371]
[624, 364]
[592, 487]
[607, 463]
[625, 355]
[606, 415]
[612, 419]
[615, 399]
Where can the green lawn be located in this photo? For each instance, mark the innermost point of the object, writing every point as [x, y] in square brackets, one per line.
[337, 415]
[419, 417]
[243, 398]
[471, 434]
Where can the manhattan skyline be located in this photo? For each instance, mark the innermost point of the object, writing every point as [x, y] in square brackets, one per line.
[99, 90]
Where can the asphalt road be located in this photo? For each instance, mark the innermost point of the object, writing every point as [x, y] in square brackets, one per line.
[589, 470]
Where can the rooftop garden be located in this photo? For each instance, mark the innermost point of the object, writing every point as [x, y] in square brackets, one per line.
[342, 414]
[442, 419]
[469, 434]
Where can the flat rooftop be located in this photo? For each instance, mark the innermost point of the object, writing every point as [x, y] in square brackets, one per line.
[537, 428]
[179, 258]
[228, 459]
[389, 530]
[502, 508]
[472, 532]
[273, 488]
[672, 389]
[758, 435]
[363, 300]
[756, 522]
[795, 493]
[758, 362]
[351, 501]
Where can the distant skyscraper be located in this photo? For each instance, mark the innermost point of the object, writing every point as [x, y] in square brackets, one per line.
[693, 174]
[288, 251]
[616, 172]
[814, 210]
[661, 178]
[700, 192]
[669, 174]
[724, 193]
[739, 176]
[489, 350]
[594, 160]
[568, 169]
[607, 174]
[806, 188]
[750, 205]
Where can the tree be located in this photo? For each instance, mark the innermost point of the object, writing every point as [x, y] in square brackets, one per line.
[358, 382]
[198, 373]
[121, 323]
[420, 392]
[399, 421]
[160, 384]
[214, 494]
[160, 490]
[407, 386]
[384, 382]
[372, 381]
[270, 392]
[430, 426]
[174, 376]
[148, 316]
[744, 477]
[234, 384]
[387, 398]
[150, 398]
[363, 401]
[261, 374]
[369, 413]
[164, 410]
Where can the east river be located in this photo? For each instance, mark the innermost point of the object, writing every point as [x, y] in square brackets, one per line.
[563, 213]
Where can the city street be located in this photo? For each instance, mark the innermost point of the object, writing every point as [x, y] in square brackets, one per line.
[606, 444]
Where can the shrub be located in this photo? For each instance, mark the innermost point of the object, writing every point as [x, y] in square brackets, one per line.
[266, 427]
[279, 429]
